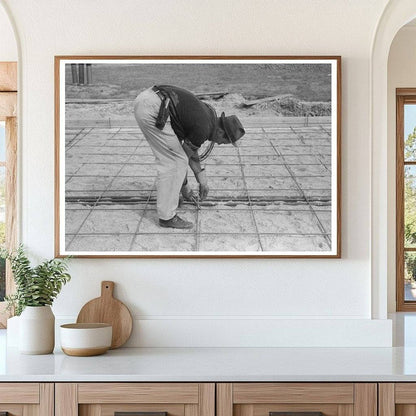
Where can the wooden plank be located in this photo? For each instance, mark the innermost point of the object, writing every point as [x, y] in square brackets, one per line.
[365, 403]
[405, 393]
[11, 195]
[13, 409]
[90, 410]
[345, 410]
[293, 393]
[8, 105]
[386, 399]
[27, 393]
[405, 410]
[207, 399]
[8, 76]
[405, 91]
[264, 409]
[66, 399]
[247, 410]
[224, 399]
[47, 399]
[399, 204]
[171, 409]
[31, 410]
[138, 393]
[57, 157]
[190, 410]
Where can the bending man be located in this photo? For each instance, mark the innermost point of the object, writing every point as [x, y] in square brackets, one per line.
[175, 123]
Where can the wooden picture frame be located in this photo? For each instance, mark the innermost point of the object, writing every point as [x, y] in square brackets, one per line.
[278, 194]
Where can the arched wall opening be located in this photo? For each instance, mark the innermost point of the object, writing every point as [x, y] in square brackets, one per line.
[401, 74]
[396, 15]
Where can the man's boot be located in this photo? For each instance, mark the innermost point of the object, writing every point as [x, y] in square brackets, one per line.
[175, 222]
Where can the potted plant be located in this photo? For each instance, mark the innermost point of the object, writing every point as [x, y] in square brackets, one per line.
[36, 289]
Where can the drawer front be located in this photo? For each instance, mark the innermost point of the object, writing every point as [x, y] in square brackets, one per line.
[397, 399]
[27, 399]
[296, 399]
[145, 399]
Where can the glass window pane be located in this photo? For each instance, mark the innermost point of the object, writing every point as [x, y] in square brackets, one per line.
[409, 275]
[410, 132]
[410, 206]
[2, 229]
[2, 207]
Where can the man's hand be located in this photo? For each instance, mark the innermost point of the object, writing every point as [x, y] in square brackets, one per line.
[187, 192]
[201, 177]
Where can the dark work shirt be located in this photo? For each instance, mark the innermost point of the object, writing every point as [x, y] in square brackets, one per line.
[191, 119]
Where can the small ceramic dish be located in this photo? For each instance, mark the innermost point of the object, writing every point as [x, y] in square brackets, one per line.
[84, 340]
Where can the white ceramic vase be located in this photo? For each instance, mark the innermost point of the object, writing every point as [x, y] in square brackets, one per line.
[37, 330]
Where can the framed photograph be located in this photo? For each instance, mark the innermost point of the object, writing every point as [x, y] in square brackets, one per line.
[198, 156]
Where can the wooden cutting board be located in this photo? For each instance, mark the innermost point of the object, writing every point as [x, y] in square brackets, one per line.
[107, 309]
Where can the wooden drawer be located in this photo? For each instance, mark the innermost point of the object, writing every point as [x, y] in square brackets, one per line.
[332, 399]
[27, 399]
[104, 399]
[397, 399]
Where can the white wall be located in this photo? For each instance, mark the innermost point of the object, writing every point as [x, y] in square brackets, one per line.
[8, 47]
[401, 74]
[179, 302]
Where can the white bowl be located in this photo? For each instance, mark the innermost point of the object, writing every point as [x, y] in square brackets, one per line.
[83, 340]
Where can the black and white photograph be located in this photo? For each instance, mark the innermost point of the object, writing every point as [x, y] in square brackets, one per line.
[198, 156]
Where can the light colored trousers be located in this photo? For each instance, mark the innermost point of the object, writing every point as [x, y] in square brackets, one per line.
[171, 160]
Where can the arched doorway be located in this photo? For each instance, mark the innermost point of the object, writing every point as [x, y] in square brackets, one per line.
[8, 148]
[396, 14]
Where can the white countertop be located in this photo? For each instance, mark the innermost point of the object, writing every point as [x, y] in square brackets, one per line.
[213, 364]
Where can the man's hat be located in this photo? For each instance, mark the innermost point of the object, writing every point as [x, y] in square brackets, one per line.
[233, 128]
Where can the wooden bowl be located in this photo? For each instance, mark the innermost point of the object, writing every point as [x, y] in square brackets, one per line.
[84, 340]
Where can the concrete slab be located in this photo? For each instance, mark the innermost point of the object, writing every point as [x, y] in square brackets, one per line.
[257, 150]
[153, 242]
[139, 169]
[92, 158]
[315, 182]
[268, 159]
[293, 243]
[229, 242]
[140, 183]
[88, 183]
[278, 183]
[271, 195]
[325, 219]
[309, 170]
[265, 170]
[126, 203]
[97, 150]
[224, 170]
[100, 169]
[111, 222]
[226, 221]
[286, 222]
[141, 158]
[74, 219]
[108, 242]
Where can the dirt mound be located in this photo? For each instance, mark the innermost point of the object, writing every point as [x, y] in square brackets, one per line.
[280, 106]
[286, 105]
[92, 91]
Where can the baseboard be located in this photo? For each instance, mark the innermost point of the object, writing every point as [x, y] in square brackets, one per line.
[258, 332]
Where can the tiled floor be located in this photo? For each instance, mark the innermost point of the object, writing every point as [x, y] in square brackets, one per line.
[272, 193]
